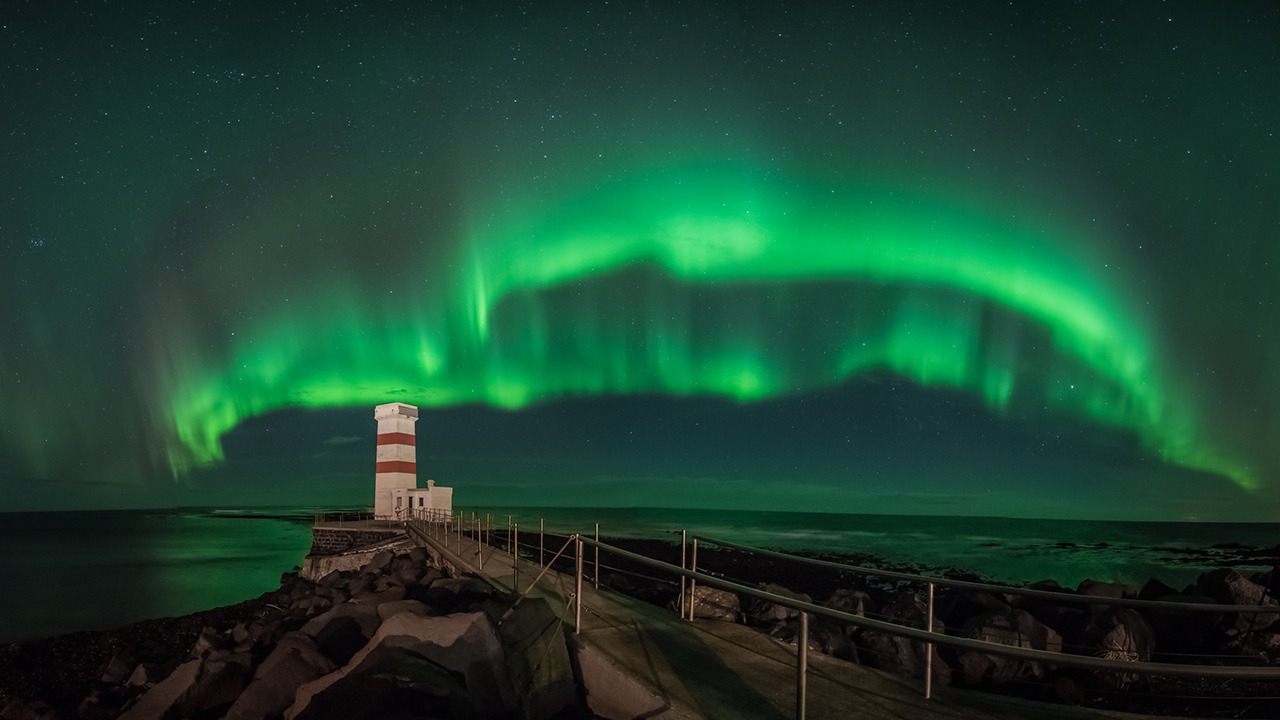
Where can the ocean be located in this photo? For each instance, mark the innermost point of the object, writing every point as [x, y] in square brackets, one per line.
[70, 571]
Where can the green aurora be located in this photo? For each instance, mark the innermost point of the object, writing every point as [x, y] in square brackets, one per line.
[212, 215]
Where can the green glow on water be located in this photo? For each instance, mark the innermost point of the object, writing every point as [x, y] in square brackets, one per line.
[494, 325]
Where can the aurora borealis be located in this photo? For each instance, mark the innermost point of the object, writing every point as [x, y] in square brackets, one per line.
[893, 257]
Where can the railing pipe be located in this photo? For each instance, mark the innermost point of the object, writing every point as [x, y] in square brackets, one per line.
[684, 599]
[928, 647]
[693, 579]
[577, 592]
[802, 665]
[542, 529]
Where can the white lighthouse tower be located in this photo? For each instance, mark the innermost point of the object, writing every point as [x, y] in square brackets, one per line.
[396, 495]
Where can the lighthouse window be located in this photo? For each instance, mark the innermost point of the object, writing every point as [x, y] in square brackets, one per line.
[421, 501]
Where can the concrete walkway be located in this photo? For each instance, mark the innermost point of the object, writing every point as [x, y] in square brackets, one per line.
[639, 660]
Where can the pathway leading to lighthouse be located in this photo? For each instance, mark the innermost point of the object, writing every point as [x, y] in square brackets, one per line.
[639, 660]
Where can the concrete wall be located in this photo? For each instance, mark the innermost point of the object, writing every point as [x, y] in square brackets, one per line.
[332, 541]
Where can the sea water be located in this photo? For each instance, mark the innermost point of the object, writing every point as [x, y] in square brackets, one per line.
[1003, 550]
[63, 572]
[67, 571]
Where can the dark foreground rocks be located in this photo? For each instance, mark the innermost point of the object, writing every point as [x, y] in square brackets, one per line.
[396, 638]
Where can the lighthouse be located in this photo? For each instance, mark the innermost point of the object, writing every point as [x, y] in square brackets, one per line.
[396, 495]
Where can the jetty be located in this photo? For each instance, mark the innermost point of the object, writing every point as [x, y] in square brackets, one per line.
[638, 660]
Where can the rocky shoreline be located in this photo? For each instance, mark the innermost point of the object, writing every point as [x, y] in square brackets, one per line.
[351, 638]
[398, 634]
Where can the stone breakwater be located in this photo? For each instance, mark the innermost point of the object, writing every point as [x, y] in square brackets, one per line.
[394, 636]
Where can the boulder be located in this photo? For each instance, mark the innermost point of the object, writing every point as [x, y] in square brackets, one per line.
[1181, 631]
[449, 595]
[1155, 590]
[379, 563]
[376, 598]
[1229, 587]
[145, 675]
[465, 643]
[1118, 633]
[766, 612]
[295, 661]
[365, 616]
[1017, 628]
[714, 604]
[117, 670]
[538, 660]
[1095, 588]
[219, 684]
[165, 695]
[895, 654]
[390, 682]
[395, 607]
[854, 602]
[963, 604]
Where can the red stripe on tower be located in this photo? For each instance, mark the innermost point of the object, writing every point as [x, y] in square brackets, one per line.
[396, 466]
[397, 438]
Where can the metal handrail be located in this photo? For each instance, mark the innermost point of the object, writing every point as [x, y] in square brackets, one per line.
[1004, 589]
[987, 648]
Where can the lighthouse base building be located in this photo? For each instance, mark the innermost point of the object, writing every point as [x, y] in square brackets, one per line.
[396, 495]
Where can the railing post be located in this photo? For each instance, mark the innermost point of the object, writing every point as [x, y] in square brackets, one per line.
[515, 557]
[684, 565]
[595, 576]
[577, 593]
[928, 648]
[802, 666]
[509, 535]
[542, 529]
[693, 581]
[479, 545]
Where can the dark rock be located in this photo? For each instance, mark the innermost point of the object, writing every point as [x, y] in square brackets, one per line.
[713, 604]
[854, 602]
[379, 563]
[118, 670]
[295, 661]
[1017, 628]
[393, 682]
[453, 594]
[395, 607]
[769, 613]
[1181, 631]
[961, 605]
[342, 631]
[1155, 590]
[19, 709]
[1094, 588]
[1118, 633]
[1062, 619]
[1229, 587]
[895, 654]
[538, 660]
[219, 684]
[145, 675]
[465, 643]
[165, 695]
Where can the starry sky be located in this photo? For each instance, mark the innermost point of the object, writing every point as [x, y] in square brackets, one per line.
[915, 257]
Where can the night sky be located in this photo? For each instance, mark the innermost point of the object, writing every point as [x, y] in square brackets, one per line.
[911, 257]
